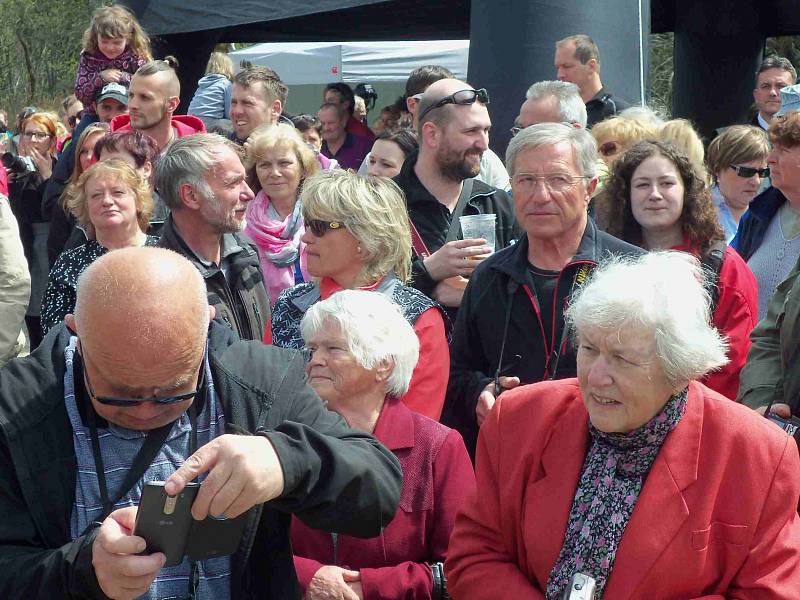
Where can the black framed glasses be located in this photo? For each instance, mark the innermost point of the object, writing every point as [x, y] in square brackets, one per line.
[462, 97]
[116, 401]
[747, 172]
[320, 228]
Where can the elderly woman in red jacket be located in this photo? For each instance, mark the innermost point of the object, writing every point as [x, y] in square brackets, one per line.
[633, 474]
[362, 354]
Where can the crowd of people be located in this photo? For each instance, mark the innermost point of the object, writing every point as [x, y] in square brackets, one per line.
[600, 388]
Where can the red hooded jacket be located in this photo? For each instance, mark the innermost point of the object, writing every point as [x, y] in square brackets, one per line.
[183, 124]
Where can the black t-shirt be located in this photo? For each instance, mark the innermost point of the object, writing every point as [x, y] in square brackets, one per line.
[544, 282]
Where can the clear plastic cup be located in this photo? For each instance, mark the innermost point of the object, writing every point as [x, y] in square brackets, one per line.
[479, 226]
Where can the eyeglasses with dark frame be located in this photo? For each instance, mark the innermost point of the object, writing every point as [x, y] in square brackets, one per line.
[462, 97]
[128, 402]
[320, 228]
[748, 172]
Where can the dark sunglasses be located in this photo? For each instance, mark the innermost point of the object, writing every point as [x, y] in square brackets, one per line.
[114, 401]
[748, 172]
[609, 149]
[460, 97]
[320, 228]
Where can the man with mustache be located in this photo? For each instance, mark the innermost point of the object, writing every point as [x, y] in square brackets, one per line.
[453, 127]
[203, 182]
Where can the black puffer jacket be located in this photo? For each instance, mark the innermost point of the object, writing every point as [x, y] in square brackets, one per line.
[336, 478]
[501, 283]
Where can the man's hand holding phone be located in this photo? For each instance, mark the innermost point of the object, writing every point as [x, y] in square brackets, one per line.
[243, 471]
[121, 573]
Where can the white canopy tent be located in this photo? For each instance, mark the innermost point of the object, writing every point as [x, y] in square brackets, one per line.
[302, 63]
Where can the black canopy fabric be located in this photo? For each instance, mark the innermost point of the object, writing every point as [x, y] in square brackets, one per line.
[322, 20]
[734, 29]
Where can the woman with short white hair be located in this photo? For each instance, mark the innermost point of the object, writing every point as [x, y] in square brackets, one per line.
[357, 236]
[362, 353]
[633, 474]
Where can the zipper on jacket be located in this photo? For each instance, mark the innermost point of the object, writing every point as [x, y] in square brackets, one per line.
[259, 322]
[335, 540]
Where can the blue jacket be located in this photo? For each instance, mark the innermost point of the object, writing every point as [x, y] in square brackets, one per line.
[755, 221]
[212, 98]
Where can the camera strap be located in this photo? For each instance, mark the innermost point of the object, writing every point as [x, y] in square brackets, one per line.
[153, 443]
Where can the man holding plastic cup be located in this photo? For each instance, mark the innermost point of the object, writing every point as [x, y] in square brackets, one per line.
[510, 327]
[453, 127]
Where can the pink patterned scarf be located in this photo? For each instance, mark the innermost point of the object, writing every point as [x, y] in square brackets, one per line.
[278, 244]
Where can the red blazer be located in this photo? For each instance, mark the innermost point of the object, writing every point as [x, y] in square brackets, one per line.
[437, 476]
[716, 518]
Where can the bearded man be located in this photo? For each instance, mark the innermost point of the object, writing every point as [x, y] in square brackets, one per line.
[439, 184]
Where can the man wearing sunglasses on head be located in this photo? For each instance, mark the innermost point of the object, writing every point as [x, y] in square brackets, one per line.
[138, 386]
[203, 182]
[439, 184]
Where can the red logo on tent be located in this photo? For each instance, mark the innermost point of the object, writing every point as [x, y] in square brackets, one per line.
[334, 70]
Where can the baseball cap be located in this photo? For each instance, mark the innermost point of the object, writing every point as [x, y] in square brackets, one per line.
[115, 91]
[790, 100]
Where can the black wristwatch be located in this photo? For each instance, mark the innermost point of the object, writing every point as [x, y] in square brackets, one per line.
[439, 582]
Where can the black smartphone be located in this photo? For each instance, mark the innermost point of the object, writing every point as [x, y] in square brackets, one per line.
[215, 537]
[165, 521]
[166, 524]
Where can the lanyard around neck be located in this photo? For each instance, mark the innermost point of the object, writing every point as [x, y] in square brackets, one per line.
[144, 457]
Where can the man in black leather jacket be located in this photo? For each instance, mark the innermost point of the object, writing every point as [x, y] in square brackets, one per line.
[141, 331]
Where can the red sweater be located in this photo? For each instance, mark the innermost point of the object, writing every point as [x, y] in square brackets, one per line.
[735, 316]
[437, 476]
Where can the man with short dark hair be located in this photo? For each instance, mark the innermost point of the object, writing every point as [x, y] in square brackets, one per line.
[774, 74]
[341, 94]
[578, 61]
[139, 386]
[439, 184]
[203, 182]
[348, 149]
[258, 98]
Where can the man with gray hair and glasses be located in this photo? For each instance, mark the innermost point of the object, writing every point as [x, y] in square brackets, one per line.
[551, 102]
[510, 327]
[203, 182]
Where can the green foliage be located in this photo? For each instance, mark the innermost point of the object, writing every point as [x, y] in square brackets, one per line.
[40, 41]
[661, 72]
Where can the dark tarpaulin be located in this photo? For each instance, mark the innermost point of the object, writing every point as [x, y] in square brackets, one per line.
[322, 20]
[508, 64]
[511, 40]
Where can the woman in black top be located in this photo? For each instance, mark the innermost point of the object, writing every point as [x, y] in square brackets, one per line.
[113, 204]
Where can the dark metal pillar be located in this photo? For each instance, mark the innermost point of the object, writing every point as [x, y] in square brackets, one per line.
[719, 45]
[512, 45]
